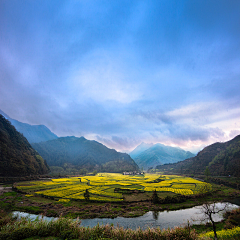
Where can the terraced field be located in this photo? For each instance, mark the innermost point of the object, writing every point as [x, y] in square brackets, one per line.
[109, 186]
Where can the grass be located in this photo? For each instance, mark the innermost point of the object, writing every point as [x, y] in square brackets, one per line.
[31, 209]
[67, 229]
[202, 228]
[43, 238]
[7, 194]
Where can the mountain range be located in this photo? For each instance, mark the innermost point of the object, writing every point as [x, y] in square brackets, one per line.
[17, 157]
[76, 152]
[33, 133]
[149, 155]
[83, 153]
[222, 159]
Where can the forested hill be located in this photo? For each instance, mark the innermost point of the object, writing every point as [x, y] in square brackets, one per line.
[221, 158]
[17, 157]
[83, 153]
[33, 133]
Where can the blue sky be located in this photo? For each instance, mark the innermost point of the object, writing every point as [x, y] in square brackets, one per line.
[123, 72]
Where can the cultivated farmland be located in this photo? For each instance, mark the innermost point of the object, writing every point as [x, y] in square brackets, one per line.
[109, 187]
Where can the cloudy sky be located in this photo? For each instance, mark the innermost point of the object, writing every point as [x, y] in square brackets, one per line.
[123, 72]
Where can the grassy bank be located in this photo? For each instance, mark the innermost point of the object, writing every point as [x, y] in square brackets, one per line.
[64, 228]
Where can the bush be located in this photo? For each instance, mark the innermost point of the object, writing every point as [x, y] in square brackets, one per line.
[232, 218]
[155, 198]
[174, 199]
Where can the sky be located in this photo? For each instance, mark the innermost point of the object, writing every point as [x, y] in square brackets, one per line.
[123, 72]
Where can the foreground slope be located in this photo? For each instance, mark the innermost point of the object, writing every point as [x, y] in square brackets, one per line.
[160, 154]
[33, 133]
[17, 157]
[221, 159]
[81, 152]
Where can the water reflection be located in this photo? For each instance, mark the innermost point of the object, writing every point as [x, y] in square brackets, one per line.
[166, 219]
[155, 215]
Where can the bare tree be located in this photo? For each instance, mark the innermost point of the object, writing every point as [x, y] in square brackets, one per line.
[209, 210]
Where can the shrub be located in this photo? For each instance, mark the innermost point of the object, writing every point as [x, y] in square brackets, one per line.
[69, 229]
[155, 198]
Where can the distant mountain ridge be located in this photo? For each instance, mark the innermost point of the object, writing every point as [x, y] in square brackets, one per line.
[83, 153]
[139, 149]
[222, 159]
[33, 133]
[17, 157]
[159, 154]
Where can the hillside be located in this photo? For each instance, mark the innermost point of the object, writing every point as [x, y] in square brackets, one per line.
[221, 158]
[33, 133]
[17, 157]
[160, 154]
[82, 153]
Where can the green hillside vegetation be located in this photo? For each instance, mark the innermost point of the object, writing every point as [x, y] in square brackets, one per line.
[227, 162]
[17, 157]
[81, 153]
[222, 159]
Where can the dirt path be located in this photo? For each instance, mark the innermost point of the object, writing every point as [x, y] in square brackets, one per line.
[5, 189]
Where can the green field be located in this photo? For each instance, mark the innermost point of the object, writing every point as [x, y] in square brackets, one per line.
[109, 187]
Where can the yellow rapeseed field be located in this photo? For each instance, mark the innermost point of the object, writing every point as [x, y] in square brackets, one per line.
[102, 187]
[227, 234]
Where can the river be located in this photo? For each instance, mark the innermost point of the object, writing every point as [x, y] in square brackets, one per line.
[163, 220]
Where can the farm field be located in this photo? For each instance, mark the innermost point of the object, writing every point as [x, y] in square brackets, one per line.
[109, 187]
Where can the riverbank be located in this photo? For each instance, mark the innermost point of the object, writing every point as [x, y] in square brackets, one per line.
[162, 220]
[14, 201]
[63, 228]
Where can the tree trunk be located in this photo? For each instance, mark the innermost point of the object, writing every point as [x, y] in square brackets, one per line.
[214, 228]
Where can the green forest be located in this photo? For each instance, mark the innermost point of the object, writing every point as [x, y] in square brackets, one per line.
[17, 157]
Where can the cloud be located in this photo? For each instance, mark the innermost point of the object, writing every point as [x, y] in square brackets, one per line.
[123, 72]
[234, 133]
[102, 78]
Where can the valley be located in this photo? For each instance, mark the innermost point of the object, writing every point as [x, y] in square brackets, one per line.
[119, 109]
[71, 177]
[53, 198]
[65, 196]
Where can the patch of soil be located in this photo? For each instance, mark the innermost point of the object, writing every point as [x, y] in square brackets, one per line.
[91, 210]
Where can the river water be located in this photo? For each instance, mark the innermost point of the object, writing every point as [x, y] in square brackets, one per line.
[163, 220]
